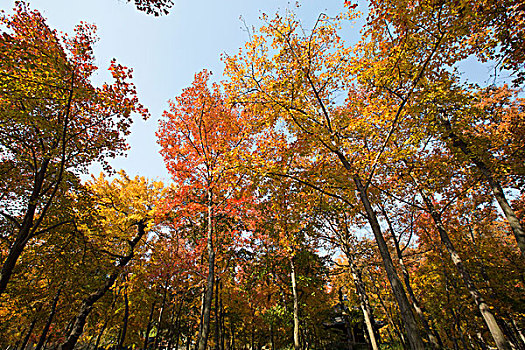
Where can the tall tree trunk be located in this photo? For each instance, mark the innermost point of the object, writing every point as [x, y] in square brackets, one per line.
[125, 321]
[29, 332]
[208, 297]
[161, 313]
[495, 186]
[217, 315]
[223, 327]
[363, 300]
[433, 337]
[490, 320]
[414, 338]
[148, 327]
[201, 317]
[350, 341]
[87, 303]
[43, 336]
[518, 330]
[296, 342]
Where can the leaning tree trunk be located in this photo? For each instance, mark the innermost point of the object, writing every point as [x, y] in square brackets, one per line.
[25, 229]
[99, 336]
[363, 300]
[484, 309]
[29, 332]
[414, 337]
[495, 186]
[43, 336]
[434, 338]
[87, 304]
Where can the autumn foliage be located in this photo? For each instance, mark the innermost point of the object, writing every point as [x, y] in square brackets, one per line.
[322, 196]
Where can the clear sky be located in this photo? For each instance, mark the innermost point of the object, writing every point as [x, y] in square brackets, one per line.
[166, 52]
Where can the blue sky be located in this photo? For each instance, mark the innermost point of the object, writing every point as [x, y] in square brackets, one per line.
[166, 52]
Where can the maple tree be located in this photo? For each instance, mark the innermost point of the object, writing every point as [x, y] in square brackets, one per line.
[501, 113]
[201, 139]
[79, 258]
[55, 123]
[127, 212]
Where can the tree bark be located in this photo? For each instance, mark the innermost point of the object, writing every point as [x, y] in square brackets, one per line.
[28, 334]
[296, 342]
[363, 300]
[217, 316]
[148, 327]
[490, 320]
[125, 321]
[414, 338]
[433, 337]
[518, 330]
[25, 230]
[43, 336]
[208, 296]
[99, 336]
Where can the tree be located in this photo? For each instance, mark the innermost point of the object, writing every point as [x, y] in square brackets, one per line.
[126, 209]
[202, 140]
[403, 35]
[291, 222]
[293, 82]
[54, 122]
